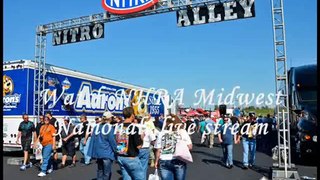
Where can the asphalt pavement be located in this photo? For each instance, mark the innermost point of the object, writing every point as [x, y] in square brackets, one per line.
[207, 165]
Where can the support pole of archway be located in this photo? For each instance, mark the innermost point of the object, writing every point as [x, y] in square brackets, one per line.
[283, 169]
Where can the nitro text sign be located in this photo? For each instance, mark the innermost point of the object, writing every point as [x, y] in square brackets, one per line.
[78, 34]
[216, 13]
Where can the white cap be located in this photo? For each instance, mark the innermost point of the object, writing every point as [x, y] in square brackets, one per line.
[107, 114]
[66, 118]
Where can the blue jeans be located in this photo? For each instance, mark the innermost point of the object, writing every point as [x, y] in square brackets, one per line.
[46, 158]
[249, 148]
[84, 150]
[227, 154]
[104, 169]
[144, 155]
[131, 168]
[172, 169]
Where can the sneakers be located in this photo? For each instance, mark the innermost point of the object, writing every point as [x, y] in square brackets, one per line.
[49, 170]
[41, 174]
[29, 165]
[245, 167]
[72, 165]
[61, 166]
[229, 166]
[23, 167]
[85, 164]
[250, 166]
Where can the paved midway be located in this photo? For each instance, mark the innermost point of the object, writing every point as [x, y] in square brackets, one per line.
[206, 165]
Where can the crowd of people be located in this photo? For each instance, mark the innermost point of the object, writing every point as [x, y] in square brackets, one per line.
[156, 142]
[251, 141]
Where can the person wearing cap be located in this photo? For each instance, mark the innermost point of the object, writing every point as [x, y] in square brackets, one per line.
[68, 143]
[226, 139]
[103, 146]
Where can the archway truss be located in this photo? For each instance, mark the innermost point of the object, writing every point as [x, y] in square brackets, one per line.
[165, 6]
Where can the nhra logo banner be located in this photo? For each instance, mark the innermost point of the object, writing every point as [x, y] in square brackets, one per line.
[127, 6]
[216, 13]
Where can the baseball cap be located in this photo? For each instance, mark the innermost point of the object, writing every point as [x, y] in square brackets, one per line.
[107, 114]
[67, 118]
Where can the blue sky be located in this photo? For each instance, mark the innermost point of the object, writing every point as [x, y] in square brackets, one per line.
[153, 52]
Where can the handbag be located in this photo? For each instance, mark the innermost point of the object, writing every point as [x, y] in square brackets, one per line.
[182, 152]
[154, 176]
[38, 151]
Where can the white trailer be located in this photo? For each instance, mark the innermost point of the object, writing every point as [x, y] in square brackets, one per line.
[67, 93]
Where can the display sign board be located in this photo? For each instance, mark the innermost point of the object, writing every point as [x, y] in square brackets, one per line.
[216, 13]
[73, 96]
[78, 34]
[128, 6]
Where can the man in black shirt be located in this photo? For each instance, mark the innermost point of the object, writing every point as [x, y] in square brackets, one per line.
[39, 124]
[68, 143]
[128, 146]
[85, 139]
[25, 131]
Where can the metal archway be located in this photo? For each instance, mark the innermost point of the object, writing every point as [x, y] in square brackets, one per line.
[280, 62]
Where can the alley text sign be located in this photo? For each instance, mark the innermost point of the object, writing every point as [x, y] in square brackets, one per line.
[216, 12]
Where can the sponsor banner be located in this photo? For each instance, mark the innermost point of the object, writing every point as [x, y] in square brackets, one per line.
[75, 96]
[67, 95]
[216, 13]
[15, 92]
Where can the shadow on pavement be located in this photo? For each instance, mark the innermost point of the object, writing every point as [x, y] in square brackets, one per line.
[212, 161]
[207, 154]
[306, 161]
[13, 153]
[263, 171]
